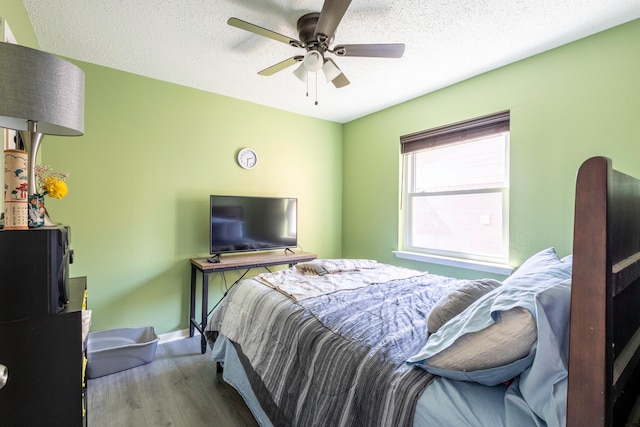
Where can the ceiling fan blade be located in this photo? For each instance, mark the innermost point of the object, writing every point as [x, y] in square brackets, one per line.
[340, 81]
[252, 28]
[389, 50]
[281, 65]
[330, 16]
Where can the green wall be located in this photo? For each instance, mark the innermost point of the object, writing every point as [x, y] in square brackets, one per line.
[16, 15]
[568, 104]
[141, 176]
[153, 152]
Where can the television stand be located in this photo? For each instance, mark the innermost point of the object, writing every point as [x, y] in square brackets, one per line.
[231, 262]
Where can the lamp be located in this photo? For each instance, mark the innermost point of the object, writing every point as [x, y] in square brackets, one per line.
[312, 63]
[40, 94]
[330, 70]
[301, 73]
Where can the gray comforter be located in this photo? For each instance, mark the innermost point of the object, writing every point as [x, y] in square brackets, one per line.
[336, 359]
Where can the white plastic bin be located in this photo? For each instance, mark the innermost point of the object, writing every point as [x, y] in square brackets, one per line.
[116, 350]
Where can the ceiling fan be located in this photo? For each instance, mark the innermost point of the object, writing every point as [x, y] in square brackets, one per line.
[316, 33]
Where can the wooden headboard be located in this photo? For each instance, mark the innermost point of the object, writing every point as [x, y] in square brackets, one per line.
[605, 298]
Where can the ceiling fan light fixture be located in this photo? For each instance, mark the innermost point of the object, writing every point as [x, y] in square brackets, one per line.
[313, 61]
[301, 73]
[331, 71]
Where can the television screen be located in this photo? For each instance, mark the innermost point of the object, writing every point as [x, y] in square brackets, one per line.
[244, 223]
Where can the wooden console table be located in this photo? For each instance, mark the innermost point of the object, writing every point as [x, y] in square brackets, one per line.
[228, 263]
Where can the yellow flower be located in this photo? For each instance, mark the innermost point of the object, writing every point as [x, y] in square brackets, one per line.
[55, 187]
[51, 183]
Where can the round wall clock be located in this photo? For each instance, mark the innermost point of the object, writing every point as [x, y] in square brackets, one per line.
[247, 158]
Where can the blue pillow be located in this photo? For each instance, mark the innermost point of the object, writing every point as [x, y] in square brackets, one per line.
[543, 259]
[509, 312]
[544, 384]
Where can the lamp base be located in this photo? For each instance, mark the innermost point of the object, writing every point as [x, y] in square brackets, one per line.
[31, 140]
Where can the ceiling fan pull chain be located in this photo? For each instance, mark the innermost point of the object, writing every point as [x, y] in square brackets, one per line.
[316, 88]
[306, 81]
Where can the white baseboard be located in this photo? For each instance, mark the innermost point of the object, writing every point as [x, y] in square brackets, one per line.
[175, 335]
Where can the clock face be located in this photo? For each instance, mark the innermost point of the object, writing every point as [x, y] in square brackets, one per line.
[247, 158]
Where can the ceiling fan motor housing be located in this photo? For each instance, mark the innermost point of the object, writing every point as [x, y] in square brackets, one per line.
[307, 27]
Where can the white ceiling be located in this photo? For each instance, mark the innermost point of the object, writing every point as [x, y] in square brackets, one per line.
[188, 42]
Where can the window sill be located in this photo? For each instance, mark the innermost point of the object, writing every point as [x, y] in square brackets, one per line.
[455, 262]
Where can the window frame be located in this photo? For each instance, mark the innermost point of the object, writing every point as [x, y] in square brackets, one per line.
[457, 133]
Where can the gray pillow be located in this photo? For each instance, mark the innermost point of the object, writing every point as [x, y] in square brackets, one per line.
[504, 342]
[457, 301]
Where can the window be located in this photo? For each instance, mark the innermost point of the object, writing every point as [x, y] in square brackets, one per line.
[455, 197]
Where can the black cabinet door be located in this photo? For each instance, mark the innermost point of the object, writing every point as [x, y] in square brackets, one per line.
[44, 360]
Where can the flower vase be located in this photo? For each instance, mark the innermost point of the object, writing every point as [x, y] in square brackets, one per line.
[47, 219]
[36, 211]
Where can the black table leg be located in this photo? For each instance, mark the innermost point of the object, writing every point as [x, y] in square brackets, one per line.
[192, 302]
[205, 308]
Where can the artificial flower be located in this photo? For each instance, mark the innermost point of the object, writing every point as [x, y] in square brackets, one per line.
[51, 183]
[55, 187]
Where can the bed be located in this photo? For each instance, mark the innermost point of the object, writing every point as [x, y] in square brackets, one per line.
[356, 342]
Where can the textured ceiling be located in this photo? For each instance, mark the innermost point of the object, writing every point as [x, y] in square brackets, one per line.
[188, 42]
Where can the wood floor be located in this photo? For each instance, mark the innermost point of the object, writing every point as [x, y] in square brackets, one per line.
[179, 388]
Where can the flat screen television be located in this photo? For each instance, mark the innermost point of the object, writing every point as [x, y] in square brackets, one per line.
[249, 223]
